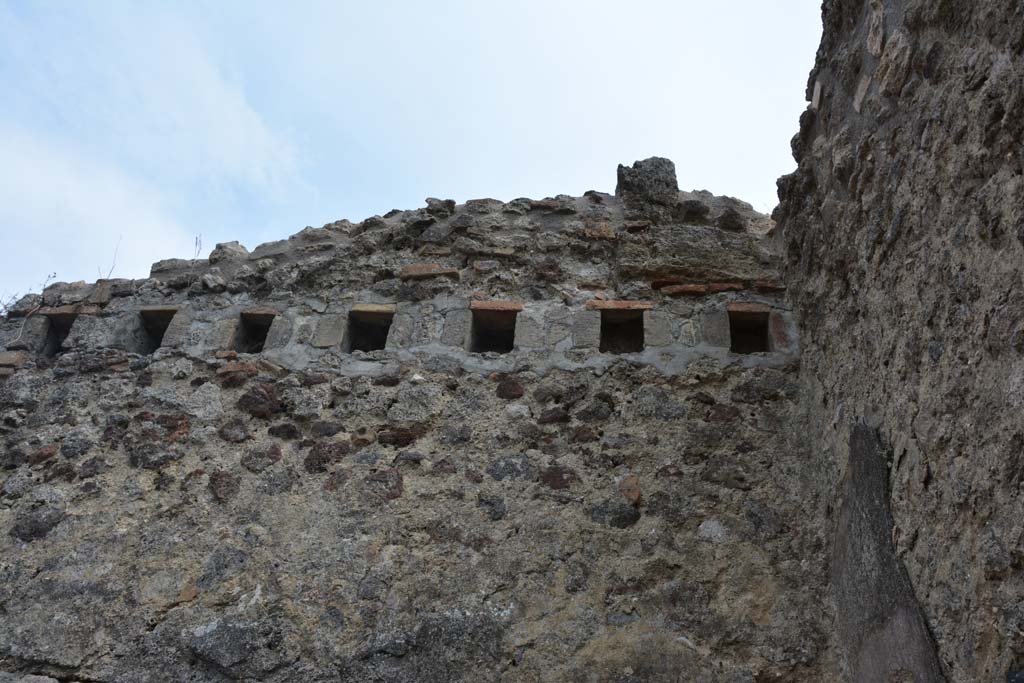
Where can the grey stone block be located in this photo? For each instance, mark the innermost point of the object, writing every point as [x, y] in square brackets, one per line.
[177, 334]
[400, 334]
[529, 332]
[715, 326]
[330, 331]
[279, 334]
[557, 326]
[586, 329]
[25, 334]
[221, 336]
[687, 333]
[457, 327]
[657, 329]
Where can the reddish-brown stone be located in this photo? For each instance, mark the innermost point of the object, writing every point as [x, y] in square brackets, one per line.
[558, 477]
[509, 389]
[629, 487]
[42, 454]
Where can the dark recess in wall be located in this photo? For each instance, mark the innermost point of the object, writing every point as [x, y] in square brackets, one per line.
[155, 323]
[59, 328]
[622, 331]
[252, 332]
[493, 331]
[368, 331]
[748, 331]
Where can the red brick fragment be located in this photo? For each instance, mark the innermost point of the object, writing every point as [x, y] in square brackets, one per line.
[602, 305]
[715, 287]
[495, 306]
[421, 271]
[769, 286]
[684, 290]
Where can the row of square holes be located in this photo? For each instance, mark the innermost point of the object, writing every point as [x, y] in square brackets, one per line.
[622, 331]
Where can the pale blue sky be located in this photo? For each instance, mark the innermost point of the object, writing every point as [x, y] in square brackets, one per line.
[147, 124]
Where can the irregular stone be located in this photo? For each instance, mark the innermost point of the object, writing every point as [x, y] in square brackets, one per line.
[615, 514]
[513, 467]
[37, 521]
[223, 485]
[260, 401]
[260, 458]
[234, 431]
[509, 389]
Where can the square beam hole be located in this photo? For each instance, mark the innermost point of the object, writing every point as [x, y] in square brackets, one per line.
[57, 332]
[748, 332]
[155, 322]
[622, 331]
[368, 330]
[493, 330]
[252, 331]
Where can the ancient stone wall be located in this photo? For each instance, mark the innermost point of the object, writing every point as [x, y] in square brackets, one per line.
[903, 230]
[526, 441]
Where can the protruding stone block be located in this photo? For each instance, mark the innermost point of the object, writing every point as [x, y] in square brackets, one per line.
[586, 329]
[279, 334]
[330, 331]
[177, 333]
[603, 305]
[25, 334]
[529, 332]
[715, 330]
[458, 325]
[657, 329]
[228, 251]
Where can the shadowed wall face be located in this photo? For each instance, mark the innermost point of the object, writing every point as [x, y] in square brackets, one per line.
[903, 231]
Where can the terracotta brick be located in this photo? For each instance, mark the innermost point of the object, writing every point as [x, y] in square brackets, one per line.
[602, 305]
[373, 308]
[421, 271]
[745, 307]
[495, 306]
[769, 286]
[660, 282]
[684, 290]
[715, 287]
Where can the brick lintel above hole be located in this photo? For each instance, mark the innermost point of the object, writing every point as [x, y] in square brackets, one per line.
[747, 307]
[373, 308]
[602, 305]
[495, 306]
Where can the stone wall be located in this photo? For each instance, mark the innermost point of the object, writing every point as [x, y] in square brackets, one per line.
[903, 230]
[202, 480]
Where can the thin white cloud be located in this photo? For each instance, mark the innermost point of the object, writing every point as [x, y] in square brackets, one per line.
[118, 121]
[65, 213]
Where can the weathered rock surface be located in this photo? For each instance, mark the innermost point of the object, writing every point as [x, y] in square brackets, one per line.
[903, 230]
[231, 471]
